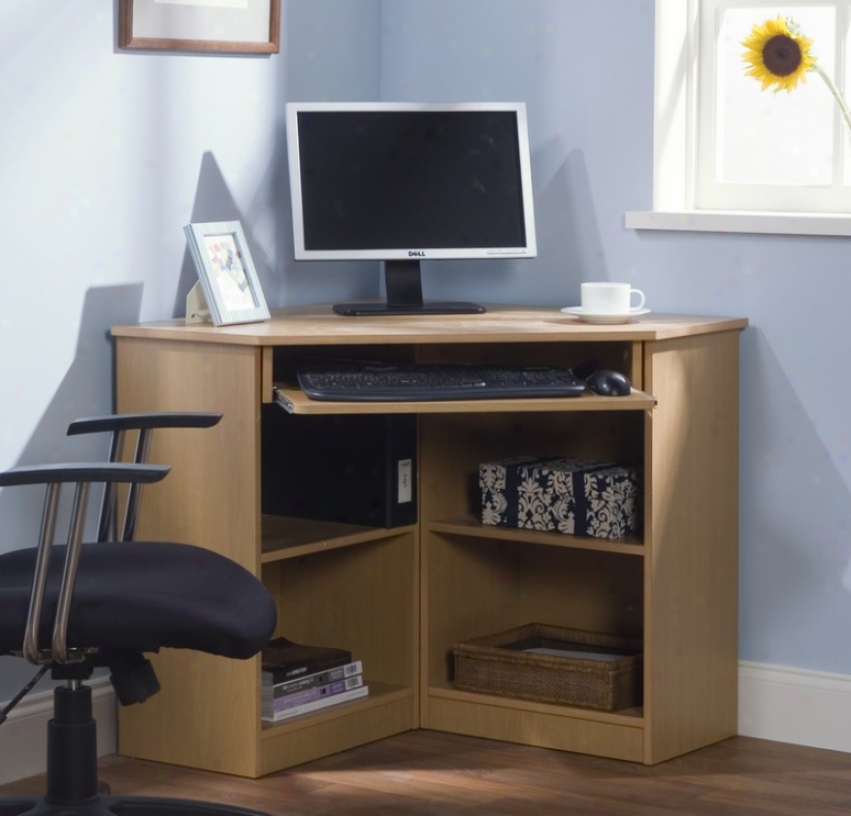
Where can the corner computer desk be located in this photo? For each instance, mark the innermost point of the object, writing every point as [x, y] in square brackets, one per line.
[399, 598]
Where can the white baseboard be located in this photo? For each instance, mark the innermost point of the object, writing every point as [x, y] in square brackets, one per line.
[777, 703]
[795, 705]
[23, 737]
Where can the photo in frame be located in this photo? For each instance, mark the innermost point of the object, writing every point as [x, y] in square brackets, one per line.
[227, 26]
[226, 274]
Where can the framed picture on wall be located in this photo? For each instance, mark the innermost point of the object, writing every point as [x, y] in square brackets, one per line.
[228, 26]
[226, 273]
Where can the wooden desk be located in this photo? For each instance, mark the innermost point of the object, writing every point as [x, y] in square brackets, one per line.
[400, 598]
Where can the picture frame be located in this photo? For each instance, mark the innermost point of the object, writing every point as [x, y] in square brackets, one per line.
[224, 26]
[226, 275]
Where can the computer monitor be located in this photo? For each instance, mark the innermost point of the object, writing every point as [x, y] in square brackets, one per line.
[403, 182]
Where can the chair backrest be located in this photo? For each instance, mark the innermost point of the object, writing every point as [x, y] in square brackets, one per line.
[82, 475]
[118, 425]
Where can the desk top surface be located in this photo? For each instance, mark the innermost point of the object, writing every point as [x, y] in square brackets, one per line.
[318, 325]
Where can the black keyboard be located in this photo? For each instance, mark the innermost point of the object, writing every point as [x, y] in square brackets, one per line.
[345, 382]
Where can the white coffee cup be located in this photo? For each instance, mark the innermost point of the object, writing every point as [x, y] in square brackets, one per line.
[607, 298]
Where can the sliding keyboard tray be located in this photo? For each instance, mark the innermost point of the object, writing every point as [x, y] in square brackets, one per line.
[293, 400]
[435, 383]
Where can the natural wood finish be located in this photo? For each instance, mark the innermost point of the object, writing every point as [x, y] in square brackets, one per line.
[428, 773]
[317, 325]
[291, 537]
[267, 384]
[633, 365]
[473, 527]
[126, 38]
[400, 598]
[386, 711]
[210, 498]
[629, 717]
[296, 402]
[200, 502]
[380, 695]
[691, 649]
[360, 598]
[454, 445]
[506, 584]
[544, 730]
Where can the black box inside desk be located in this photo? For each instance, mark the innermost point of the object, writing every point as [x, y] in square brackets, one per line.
[352, 468]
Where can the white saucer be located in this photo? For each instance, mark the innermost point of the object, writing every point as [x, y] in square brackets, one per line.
[603, 318]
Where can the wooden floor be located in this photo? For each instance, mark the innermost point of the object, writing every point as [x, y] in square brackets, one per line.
[425, 773]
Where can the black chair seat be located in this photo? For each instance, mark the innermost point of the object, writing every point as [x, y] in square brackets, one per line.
[143, 596]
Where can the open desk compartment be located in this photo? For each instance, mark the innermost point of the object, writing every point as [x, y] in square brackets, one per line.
[453, 447]
[553, 664]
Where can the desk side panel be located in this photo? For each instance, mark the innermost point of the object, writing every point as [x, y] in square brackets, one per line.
[691, 573]
[207, 714]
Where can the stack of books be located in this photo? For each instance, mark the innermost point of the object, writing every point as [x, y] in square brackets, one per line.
[298, 679]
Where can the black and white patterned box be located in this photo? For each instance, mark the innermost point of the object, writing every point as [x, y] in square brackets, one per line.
[572, 496]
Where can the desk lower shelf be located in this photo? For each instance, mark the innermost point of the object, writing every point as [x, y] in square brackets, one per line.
[284, 537]
[470, 526]
[386, 711]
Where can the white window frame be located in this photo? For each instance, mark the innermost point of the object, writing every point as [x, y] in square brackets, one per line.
[675, 144]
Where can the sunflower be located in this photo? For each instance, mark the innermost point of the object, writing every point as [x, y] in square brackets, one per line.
[778, 54]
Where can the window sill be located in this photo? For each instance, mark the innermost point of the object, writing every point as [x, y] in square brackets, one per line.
[753, 222]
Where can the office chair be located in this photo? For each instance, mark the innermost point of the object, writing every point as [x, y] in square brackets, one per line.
[76, 606]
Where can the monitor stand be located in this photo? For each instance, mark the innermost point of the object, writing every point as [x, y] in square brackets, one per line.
[405, 296]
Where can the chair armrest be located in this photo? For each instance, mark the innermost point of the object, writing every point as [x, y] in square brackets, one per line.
[138, 422]
[83, 472]
[82, 475]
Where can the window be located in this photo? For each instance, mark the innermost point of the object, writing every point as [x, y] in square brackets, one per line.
[724, 146]
[760, 150]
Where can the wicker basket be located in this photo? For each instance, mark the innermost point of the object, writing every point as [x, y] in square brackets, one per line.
[496, 664]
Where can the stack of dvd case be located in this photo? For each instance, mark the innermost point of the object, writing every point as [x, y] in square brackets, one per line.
[299, 679]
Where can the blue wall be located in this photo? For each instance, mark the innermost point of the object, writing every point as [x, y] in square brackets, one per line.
[585, 71]
[105, 155]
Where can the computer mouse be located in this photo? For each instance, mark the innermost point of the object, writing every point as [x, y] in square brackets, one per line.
[608, 383]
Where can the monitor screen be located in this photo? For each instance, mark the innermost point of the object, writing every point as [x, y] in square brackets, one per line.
[403, 182]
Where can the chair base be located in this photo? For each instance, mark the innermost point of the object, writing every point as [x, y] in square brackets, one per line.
[73, 788]
[119, 806]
